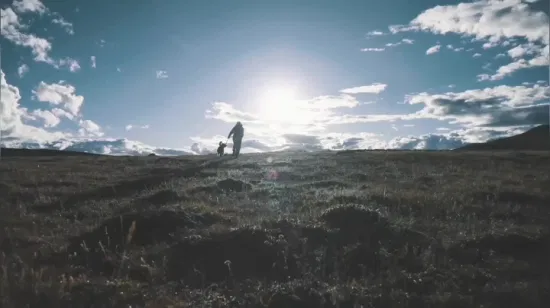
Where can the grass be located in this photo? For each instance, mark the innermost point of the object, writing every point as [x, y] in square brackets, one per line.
[348, 229]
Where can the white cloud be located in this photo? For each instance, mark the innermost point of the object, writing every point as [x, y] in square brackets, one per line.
[489, 45]
[13, 30]
[59, 94]
[227, 113]
[497, 106]
[375, 88]
[13, 117]
[72, 64]
[106, 146]
[49, 118]
[375, 33]
[428, 141]
[373, 49]
[540, 60]
[129, 127]
[62, 113]
[486, 19]
[89, 128]
[22, 70]
[34, 6]
[10, 29]
[92, 60]
[433, 49]
[67, 26]
[523, 50]
[496, 22]
[476, 55]
[162, 74]
[403, 41]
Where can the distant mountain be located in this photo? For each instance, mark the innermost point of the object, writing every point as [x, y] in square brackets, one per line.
[9, 152]
[535, 139]
[83, 147]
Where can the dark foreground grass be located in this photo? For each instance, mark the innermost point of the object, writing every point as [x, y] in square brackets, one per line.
[351, 229]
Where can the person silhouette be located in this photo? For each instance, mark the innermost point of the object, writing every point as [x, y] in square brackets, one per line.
[237, 132]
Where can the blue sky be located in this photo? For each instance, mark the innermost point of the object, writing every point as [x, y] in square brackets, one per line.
[135, 77]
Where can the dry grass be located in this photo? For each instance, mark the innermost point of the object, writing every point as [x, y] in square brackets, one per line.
[351, 229]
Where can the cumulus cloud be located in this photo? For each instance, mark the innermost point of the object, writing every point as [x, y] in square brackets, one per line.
[14, 30]
[541, 59]
[89, 128]
[22, 70]
[34, 6]
[59, 94]
[60, 113]
[523, 50]
[498, 106]
[11, 29]
[428, 141]
[49, 118]
[486, 19]
[375, 88]
[495, 22]
[92, 61]
[433, 49]
[14, 117]
[476, 55]
[161, 74]
[451, 140]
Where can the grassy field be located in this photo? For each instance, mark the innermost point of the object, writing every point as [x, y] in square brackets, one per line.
[349, 229]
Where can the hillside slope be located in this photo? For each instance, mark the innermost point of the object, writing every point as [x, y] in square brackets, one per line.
[535, 139]
[277, 230]
[9, 152]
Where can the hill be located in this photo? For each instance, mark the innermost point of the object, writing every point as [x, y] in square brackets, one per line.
[372, 229]
[8, 152]
[535, 139]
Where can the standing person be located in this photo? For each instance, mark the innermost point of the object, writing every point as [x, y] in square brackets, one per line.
[238, 132]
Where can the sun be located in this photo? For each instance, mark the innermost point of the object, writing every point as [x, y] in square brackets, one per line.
[279, 104]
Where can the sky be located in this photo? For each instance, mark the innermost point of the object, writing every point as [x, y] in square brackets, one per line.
[173, 77]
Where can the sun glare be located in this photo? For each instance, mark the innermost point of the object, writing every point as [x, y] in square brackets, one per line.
[280, 105]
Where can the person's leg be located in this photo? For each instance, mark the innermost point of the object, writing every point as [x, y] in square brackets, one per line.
[238, 143]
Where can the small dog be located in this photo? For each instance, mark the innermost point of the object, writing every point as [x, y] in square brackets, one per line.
[221, 148]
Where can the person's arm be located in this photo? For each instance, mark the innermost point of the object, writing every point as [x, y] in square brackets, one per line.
[231, 133]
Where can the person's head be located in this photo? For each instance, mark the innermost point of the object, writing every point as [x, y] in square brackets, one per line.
[239, 123]
[220, 143]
